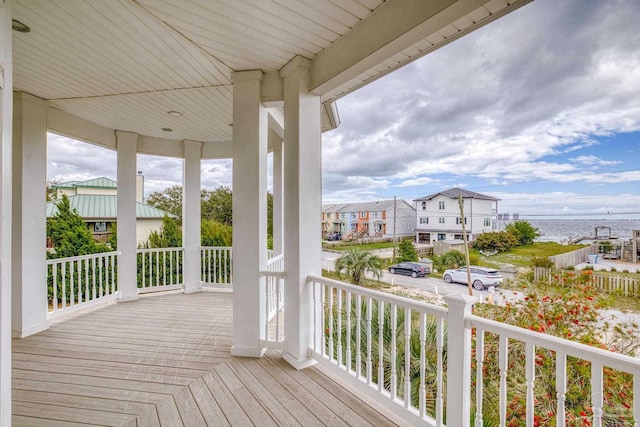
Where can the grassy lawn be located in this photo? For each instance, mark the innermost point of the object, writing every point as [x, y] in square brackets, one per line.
[521, 255]
[366, 247]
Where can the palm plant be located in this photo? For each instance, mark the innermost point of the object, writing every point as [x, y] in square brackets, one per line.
[356, 263]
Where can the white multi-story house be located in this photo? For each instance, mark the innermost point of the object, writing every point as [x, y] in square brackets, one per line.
[438, 215]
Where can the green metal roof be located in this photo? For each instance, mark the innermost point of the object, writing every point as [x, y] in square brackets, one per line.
[101, 182]
[91, 206]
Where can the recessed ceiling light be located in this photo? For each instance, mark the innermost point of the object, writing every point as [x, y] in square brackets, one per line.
[174, 113]
[19, 26]
[167, 129]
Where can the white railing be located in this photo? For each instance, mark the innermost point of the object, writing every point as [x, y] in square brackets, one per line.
[78, 282]
[489, 370]
[273, 276]
[160, 269]
[506, 345]
[216, 263]
[364, 334]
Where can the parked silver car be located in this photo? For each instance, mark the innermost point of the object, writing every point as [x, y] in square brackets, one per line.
[481, 277]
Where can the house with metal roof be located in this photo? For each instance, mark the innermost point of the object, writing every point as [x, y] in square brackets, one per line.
[96, 202]
[438, 215]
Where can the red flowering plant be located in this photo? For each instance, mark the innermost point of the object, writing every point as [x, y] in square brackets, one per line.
[567, 308]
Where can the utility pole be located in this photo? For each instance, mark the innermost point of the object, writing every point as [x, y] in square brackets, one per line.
[466, 246]
[395, 216]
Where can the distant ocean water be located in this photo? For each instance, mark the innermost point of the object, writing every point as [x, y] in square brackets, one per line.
[562, 229]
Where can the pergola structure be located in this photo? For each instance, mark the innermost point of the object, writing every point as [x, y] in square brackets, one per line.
[196, 79]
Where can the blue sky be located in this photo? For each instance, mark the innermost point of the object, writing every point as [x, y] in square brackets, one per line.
[540, 109]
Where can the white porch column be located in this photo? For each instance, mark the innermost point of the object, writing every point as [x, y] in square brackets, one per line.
[249, 212]
[6, 111]
[191, 216]
[278, 226]
[302, 207]
[127, 144]
[29, 271]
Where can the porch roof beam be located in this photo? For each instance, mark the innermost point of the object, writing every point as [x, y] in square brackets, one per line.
[392, 28]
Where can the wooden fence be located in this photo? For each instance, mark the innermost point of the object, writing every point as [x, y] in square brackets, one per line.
[572, 258]
[623, 285]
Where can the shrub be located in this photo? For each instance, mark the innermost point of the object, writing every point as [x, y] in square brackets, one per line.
[523, 231]
[451, 259]
[613, 269]
[541, 261]
[500, 241]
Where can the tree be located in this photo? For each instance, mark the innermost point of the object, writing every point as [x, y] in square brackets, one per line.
[70, 234]
[169, 200]
[406, 251]
[356, 263]
[218, 205]
[523, 231]
[169, 235]
[215, 233]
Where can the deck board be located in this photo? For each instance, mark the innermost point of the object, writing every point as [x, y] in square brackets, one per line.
[164, 360]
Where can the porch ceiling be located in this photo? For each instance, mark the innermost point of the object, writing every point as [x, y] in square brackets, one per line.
[125, 64]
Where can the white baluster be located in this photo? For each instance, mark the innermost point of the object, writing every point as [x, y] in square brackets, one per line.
[394, 351]
[479, 376]
[561, 387]
[348, 313]
[422, 404]
[358, 336]
[368, 362]
[339, 327]
[597, 396]
[530, 373]
[502, 363]
[380, 346]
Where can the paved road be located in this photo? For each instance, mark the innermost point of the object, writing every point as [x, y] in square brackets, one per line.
[436, 286]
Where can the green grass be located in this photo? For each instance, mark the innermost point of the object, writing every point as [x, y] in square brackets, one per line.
[366, 247]
[521, 255]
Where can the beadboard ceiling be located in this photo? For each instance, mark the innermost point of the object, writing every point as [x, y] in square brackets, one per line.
[124, 64]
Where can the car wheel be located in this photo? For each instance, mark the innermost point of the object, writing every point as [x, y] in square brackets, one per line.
[414, 274]
[447, 278]
[477, 285]
[392, 270]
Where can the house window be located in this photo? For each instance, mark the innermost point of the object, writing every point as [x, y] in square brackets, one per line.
[458, 236]
[424, 206]
[100, 227]
[441, 220]
[458, 220]
[442, 236]
[487, 222]
[424, 220]
[363, 214]
[353, 214]
[375, 214]
[441, 205]
[343, 215]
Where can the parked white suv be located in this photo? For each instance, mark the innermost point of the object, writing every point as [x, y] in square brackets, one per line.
[481, 277]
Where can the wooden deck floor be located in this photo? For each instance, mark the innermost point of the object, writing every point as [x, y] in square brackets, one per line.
[164, 361]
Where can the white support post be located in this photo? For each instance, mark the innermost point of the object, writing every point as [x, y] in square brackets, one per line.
[249, 213]
[459, 359]
[278, 225]
[127, 143]
[6, 112]
[303, 204]
[191, 179]
[29, 271]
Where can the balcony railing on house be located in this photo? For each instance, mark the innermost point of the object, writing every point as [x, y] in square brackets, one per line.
[430, 364]
[216, 266]
[273, 285]
[79, 282]
[160, 269]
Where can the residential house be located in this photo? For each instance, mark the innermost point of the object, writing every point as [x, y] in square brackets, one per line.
[234, 80]
[438, 215]
[95, 200]
[332, 220]
[384, 218]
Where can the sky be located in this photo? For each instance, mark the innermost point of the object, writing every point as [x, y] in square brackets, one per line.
[540, 109]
